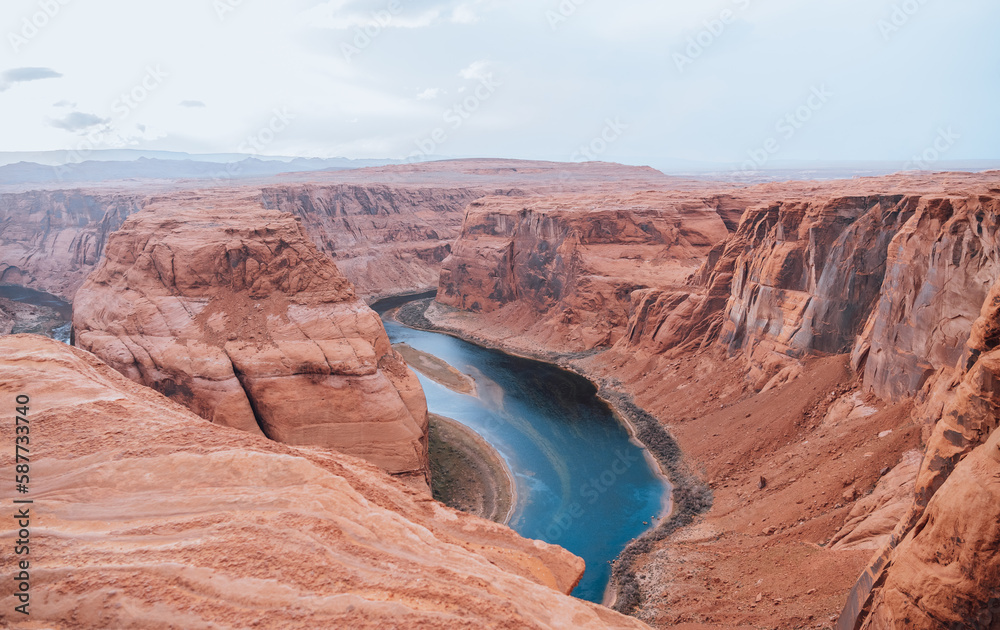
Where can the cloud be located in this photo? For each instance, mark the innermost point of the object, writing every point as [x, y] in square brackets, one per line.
[20, 75]
[477, 70]
[428, 94]
[192, 104]
[464, 14]
[64, 103]
[349, 15]
[78, 121]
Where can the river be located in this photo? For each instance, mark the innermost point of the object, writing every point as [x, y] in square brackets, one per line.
[62, 310]
[582, 482]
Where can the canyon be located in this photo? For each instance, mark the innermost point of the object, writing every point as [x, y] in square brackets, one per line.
[801, 362]
[387, 228]
[147, 516]
[813, 364]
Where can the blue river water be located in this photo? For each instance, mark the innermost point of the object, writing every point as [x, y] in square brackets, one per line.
[581, 482]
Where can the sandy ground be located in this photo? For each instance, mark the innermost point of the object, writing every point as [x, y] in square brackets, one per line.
[467, 473]
[437, 370]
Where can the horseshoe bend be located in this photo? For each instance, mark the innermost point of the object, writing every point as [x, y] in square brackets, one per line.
[787, 391]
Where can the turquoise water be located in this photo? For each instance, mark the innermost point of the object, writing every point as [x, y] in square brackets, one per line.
[582, 483]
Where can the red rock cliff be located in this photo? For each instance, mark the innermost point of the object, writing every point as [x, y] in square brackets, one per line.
[386, 239]
[815, 471]
[51, 240]
[234, 313]
[562, 269]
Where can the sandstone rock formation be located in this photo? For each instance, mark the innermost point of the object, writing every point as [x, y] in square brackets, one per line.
[563, 268]
[51, 240]
[145, 516]
[389, 239]
[235, 314]
[940, 269]
[940, 567]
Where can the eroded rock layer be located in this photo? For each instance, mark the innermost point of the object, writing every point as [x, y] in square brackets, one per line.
[146, 516]
[51, 240]
[234, 313]
[388, 239]
[563, 268]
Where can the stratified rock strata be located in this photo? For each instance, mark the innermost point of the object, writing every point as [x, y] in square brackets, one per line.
[146, 516]
[236, 315]
[563, 268]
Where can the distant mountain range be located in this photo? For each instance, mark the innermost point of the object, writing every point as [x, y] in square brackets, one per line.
[58, 167]
[215, 167]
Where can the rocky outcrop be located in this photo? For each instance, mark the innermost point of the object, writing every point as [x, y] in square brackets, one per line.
[940, 567]
[145, 516]
[562, 269]
[234, 313]
[805, 275]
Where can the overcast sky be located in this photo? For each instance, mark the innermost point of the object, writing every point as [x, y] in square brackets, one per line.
[636, 81]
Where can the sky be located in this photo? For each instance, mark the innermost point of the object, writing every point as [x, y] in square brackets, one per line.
[742, 83]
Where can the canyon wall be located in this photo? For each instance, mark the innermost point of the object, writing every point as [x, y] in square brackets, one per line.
[388, 228]
[51, 240]
[934, 335]
[386, 239]
[146, 516]
[562, 268]
[233, 312]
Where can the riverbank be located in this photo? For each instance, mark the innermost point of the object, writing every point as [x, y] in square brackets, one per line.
[467, 473]
[690, 496]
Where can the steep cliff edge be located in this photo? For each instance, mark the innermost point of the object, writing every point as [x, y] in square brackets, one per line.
[146, 516]
[234, 313]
